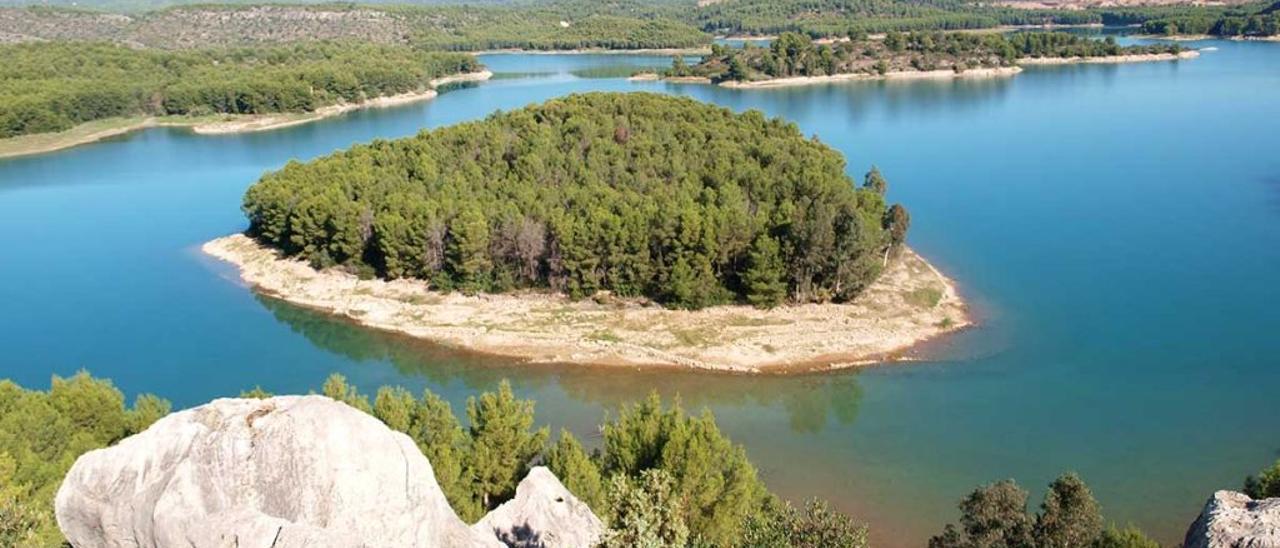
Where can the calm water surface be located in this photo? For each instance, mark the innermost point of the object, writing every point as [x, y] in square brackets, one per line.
[1116, 228]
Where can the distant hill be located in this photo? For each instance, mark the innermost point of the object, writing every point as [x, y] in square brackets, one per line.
[461, 28]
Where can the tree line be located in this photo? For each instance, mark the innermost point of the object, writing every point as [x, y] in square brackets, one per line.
[1251, 20]
[794, 54]
[659, 477]
[638, 194]
[54, 86]
[41, 435]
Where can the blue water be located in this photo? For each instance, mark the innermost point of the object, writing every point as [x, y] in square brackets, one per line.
[1116, 228]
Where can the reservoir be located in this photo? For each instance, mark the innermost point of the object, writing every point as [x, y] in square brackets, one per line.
[1116, 228]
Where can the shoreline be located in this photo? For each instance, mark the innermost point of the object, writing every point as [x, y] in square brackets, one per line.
[596, 51]
[911, 303]
[996, 72]
[1137, 58]
[988, 72]
[216, 124]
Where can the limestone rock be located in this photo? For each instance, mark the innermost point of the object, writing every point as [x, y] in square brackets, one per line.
[543, 514]
[281, 472]
[1233, 520]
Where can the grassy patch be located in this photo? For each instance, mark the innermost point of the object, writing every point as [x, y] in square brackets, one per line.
[424, 298]
[701, 336]
[604, 335]
[747, 321]
[924, 297]
[946, 323]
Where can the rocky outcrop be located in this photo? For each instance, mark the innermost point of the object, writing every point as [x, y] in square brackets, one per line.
[543, 514]
[1233, 520]
[281, 472]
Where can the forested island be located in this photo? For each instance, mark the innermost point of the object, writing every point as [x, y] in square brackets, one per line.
[56, 86]
[795, 58]
[590, 206]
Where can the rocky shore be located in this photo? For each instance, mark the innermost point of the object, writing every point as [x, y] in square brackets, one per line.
[911, 302]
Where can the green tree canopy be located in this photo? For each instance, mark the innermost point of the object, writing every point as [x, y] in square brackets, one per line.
[638, 194]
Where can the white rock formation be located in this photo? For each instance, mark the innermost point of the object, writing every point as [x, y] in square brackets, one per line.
[1233, 520]
[280, 472]
[543, 514]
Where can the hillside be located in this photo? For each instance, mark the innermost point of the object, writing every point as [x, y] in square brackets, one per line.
[445, 27]
[49, 87]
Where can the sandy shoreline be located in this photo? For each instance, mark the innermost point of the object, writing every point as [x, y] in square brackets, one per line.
[911, 303]
[597, 51]
[989, 72]
[856, 76]
[1143, 58]
[283, 120]
[230, 124]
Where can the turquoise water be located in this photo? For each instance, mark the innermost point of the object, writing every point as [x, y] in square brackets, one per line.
[1116, 228]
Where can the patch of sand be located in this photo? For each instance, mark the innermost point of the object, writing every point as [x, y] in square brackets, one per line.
[1147, 57]
[910, 303]
[283, 120]
[857, 76]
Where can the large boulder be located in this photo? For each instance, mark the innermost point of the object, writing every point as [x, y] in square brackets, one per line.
[281, 472]
[1233, 520]
[543, 514]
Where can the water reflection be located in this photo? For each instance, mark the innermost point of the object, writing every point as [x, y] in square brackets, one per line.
[810, 402]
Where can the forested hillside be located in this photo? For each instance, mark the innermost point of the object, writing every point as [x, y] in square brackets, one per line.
[48, 87]
[572, 24]
[639, 194]
[795, 54]
[1248, 20]
[469, 28]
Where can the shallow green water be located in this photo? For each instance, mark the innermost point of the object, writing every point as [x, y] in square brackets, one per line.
[1116, 228]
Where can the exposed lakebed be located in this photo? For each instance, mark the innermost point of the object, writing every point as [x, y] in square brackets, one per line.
[1115, 227]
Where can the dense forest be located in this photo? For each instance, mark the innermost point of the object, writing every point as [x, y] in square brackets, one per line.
[1247, 21]
[53, 86]
[637, 194]
[793, 54]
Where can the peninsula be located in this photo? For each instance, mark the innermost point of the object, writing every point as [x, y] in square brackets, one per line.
[795, 59]
[613, 229]
[62, 94]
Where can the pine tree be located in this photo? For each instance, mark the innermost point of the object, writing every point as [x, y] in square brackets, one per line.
[441, 438]
[875, 181]
[468, 250]
[1069, 515]
[336, 387]
[765, 278]
[503, 443]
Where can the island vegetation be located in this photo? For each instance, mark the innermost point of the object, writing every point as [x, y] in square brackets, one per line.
[50, 87]
[1247, 21]
[659, 476]
[640, 195]
[796, 55]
